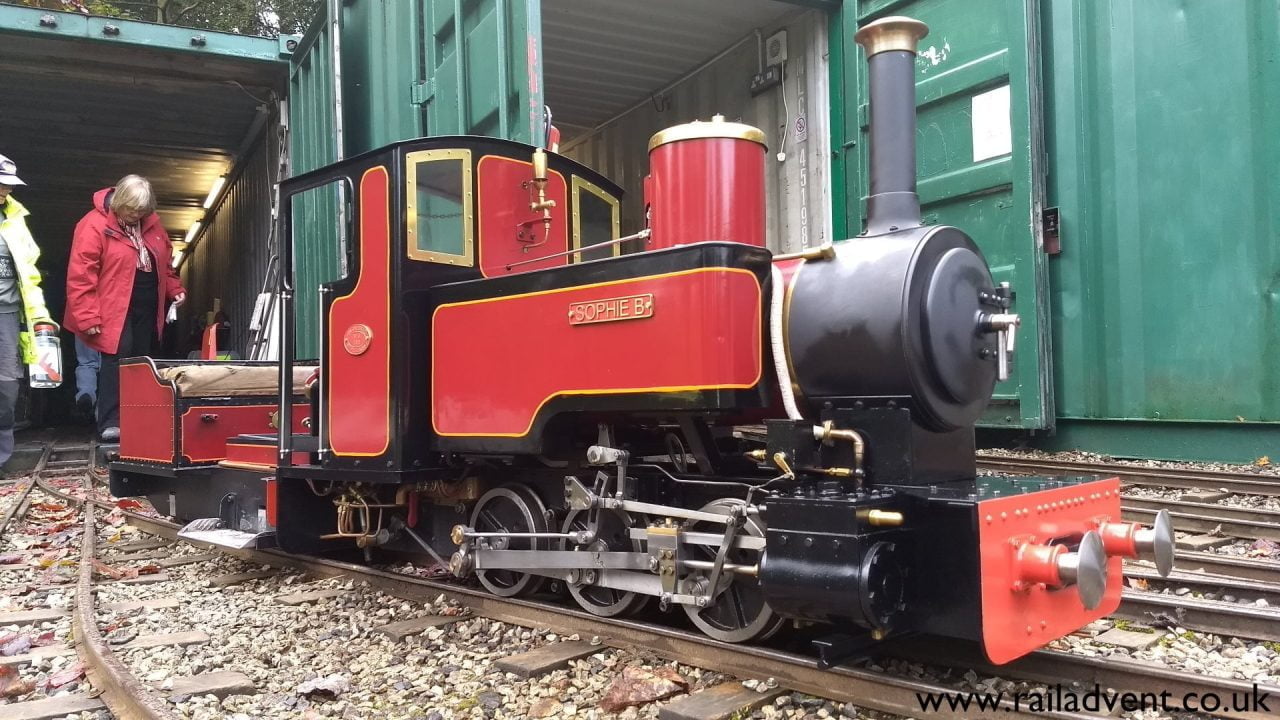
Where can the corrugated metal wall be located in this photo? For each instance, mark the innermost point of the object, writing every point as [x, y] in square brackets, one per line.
[229, 258]
[799, 213]
[313, 130]
[1163, 145]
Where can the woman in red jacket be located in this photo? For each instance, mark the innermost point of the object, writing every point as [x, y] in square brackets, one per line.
[119, 280]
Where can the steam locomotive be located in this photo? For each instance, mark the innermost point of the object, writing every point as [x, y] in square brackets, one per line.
[748, 438]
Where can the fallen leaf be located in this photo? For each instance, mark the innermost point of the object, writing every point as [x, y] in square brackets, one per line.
[1138, 583]
[1263, 461]
[546, 707]
[15, 645]
[112, 572]
[11, 685]
[330, 686]
[67, 675]
[637, 686]
[49, 559]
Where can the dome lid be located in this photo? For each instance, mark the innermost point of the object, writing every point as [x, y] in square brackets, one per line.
[717, 127]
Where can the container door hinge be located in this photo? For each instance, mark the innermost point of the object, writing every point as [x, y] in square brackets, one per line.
[1050, 231]
[420, 93]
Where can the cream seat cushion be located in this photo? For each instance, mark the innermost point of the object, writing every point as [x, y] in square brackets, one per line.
[232, 380]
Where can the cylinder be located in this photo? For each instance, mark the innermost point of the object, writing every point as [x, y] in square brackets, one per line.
[890, 44]
[706, 183]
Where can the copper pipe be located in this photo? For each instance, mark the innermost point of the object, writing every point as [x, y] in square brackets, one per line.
[828, 434]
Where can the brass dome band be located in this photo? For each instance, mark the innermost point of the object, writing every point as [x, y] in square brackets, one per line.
[891, 33]
[716, 128]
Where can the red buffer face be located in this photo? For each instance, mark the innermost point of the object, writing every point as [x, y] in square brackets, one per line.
[1020, 614]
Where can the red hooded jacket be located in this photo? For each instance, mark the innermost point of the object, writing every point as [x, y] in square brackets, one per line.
[100, 274]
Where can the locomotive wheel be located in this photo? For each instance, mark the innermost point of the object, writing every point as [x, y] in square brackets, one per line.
[612, 535]
[738, 613]
[510, 508]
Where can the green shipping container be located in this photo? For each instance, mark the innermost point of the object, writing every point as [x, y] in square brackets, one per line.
[401, 64]
[1112, 159]
[1133, 210]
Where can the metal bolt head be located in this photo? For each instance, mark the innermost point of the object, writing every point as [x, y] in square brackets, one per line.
[460, 565]
[703, 601]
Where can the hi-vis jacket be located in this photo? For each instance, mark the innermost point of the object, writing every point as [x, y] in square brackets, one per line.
[25, 252]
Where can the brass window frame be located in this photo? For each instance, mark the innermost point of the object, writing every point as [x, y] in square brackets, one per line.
[412, 160]
[579, 184]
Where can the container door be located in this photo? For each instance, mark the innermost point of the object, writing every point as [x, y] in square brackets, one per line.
[483, 69]
[979, 158]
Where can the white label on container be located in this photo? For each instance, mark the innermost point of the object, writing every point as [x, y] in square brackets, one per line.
[992, 134]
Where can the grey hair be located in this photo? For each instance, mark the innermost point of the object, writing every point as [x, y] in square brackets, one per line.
[133, 192]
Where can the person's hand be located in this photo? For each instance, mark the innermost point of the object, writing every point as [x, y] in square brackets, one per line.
[95, 330]
[179, 298]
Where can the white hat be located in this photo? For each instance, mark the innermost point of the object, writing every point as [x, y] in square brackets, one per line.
[9, 172]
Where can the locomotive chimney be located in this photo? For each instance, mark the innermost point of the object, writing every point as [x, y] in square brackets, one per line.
[890, 44]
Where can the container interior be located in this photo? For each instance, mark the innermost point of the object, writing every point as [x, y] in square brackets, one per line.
[616, 72]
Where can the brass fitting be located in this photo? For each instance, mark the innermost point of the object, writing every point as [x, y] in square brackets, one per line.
[542, 204]
[891, 33]
[458, 535]
[826, 251]
[884, 518]
[780, 459]
[758, 455]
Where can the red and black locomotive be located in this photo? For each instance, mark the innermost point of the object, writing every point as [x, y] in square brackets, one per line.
[695, 422]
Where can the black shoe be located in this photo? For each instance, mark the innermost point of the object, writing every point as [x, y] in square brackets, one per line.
[84, 405]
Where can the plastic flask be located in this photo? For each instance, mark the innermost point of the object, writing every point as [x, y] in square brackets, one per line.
[46, 371]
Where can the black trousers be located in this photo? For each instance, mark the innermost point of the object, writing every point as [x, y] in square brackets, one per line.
[137, 337]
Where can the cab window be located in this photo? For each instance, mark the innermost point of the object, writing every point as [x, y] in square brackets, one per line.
[595, 220]
[439, 196]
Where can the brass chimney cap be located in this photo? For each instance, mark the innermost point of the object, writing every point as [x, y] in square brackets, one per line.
[716, 128]
[891, 33]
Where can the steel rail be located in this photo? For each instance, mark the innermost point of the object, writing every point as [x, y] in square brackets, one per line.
[1210, 616]
[18, 508]
[1054, 667]
[1257, 521]
[1184, 521]
[1239, 482]
[127, 698]
[1202, 582]
[1228, 565]
[866, 688]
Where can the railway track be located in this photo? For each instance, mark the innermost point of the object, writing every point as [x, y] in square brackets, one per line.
[798, 671]
[1189, 513]
[1194, 479]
